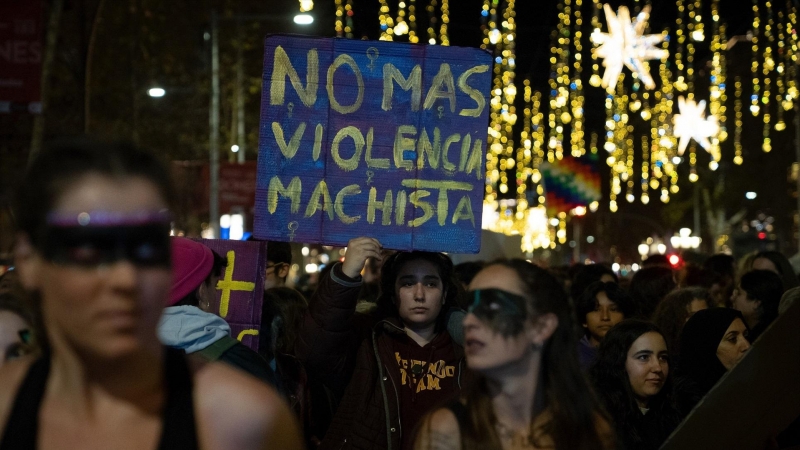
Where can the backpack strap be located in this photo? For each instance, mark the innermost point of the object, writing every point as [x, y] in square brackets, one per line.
[215, 351]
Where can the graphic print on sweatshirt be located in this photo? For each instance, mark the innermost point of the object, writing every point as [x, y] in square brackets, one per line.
[426, 376]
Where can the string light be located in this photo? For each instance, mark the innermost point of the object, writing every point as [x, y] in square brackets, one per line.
[737, 109]
[754, 108]
[577, 100]
[387, 23]
[344, 19]
[595, 79]
[645, 170]
[717, 85]
[767, 66]
[693, 25]
[680, 24]
[522, 166]
[780, 125]
[401, 27]
[432, 37]
[791, 60]
[443, 35]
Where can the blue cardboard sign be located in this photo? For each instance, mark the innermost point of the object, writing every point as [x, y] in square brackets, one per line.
[380, 139]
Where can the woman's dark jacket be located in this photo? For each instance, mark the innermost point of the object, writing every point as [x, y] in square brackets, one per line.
[352, 355]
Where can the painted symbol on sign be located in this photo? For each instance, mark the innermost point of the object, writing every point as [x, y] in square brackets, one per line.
[441, 111]
[244, 333]
[370, 174]
[372, 54]
[227, 285]
[290, 107]
[292, 228]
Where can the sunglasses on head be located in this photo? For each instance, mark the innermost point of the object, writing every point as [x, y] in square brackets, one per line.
[104, 239]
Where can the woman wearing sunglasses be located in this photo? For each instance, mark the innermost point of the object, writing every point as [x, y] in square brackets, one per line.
[94, 252]
[520, 338]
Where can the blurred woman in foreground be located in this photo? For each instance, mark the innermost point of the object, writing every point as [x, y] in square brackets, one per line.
[531, 394]
[94, 249]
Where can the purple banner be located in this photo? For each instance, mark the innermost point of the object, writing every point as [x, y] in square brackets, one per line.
[240, 290]
[380, 139]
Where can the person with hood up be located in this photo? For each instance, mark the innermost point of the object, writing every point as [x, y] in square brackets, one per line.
[712, 342]
[388, 369]
[188, 325]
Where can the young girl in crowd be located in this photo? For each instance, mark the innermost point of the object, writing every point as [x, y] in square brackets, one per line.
[632, 376]
[673, 312]
[94, 251]
[530, 394]
[390, 368]
[600, 308]
[712, 342]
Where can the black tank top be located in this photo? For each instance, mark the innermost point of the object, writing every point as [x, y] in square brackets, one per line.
[178, 426]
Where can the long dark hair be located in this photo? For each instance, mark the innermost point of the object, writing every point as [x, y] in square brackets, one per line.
[672, 313]
[282, 313]
[573, 408]
[785, 269]
[767, 287]
[649, 286]
[387, 308]
[613, 385]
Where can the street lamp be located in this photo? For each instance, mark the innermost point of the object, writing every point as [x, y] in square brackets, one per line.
[751, 195]
[684, 239]
[304, 19]
[156, 92]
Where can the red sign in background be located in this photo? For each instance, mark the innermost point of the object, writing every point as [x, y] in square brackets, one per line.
[21, 30]
[237, 186]
[240, 291]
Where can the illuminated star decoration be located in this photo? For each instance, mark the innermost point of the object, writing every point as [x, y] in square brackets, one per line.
[691, 123]
[625, 44]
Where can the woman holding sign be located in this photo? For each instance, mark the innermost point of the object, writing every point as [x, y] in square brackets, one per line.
[94, 251]
[391, 368]
[531, 393]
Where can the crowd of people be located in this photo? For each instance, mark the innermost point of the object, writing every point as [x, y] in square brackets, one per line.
[108, 338]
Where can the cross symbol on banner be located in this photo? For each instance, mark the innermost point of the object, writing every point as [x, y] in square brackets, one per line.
[227, 284]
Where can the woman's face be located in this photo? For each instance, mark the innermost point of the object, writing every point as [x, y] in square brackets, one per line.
[606, 314]
[11, 324]
[419, 293]
[487, 349]
[105, 310]
[647, 365]
[734, 344]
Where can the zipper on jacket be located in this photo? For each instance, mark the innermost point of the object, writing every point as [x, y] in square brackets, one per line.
[383, 391]
[397, 397]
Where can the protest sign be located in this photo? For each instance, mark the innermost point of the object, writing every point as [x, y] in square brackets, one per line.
[376, 139]
[755, 400]
[240, 290]
[21, 31]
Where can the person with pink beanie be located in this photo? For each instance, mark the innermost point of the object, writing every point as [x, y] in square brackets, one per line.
[188, 325]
